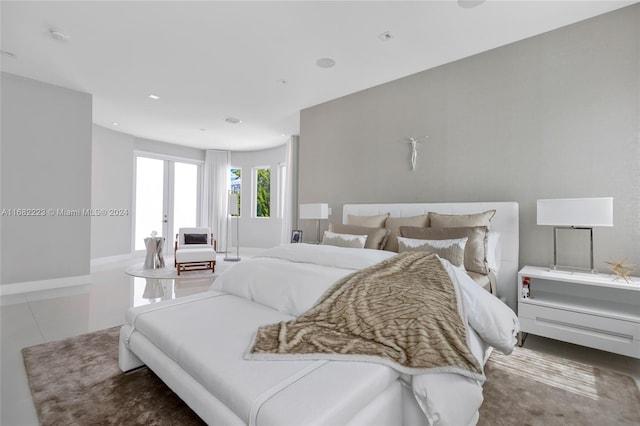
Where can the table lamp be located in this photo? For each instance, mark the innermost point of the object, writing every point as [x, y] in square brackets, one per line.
[575, 213]
[315, 211]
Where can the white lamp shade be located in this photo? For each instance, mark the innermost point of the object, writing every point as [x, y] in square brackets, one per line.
[580, 212]
[314, 211]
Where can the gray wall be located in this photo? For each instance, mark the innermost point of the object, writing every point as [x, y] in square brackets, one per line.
[111, 188]
[46, 164]
[553, 116]
[258, 232]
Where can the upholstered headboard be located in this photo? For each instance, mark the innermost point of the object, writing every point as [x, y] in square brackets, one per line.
[505, 221]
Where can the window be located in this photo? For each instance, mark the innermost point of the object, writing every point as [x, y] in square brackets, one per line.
[263, 191]
[236, 186]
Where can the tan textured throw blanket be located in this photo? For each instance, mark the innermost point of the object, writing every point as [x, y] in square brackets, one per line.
[401, 312]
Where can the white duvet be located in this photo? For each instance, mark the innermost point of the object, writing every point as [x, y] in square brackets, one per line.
[291, 278]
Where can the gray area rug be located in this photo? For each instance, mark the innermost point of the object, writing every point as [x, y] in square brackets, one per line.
[76, 381]
[531, 388]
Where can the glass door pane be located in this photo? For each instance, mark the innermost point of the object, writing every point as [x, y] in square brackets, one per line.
[150, 190]
[185, 196]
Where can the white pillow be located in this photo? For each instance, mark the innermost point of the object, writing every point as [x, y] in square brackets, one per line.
[492, 319]
[343, 240]
[451, 250]
[493, 254]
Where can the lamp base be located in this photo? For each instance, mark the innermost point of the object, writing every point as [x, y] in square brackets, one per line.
[318, 231]
[572, 270]
[231, 259]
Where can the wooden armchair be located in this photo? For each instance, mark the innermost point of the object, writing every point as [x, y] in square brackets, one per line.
[194, 250]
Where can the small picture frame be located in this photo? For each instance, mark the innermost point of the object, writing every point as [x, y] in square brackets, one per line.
[296, 236]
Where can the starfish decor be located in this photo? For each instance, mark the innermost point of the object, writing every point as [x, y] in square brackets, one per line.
[621, 269]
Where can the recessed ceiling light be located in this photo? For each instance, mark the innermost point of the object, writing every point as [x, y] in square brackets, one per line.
[325, 63]
[8, 54]
[115, 123]
[233, 120]
[154, 97]
[58, 35]
[385, 36]
[468, 4]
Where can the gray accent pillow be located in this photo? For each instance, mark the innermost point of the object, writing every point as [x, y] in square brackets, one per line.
[394, 223]
[376, 237]
[438, 220]
[452, 250]
[343, 240]
[368, 221]
[476, 249]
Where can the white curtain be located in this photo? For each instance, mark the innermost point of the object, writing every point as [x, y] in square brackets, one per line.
[217, 181]
[290, 210]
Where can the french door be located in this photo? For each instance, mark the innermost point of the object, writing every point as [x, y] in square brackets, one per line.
[167, 197]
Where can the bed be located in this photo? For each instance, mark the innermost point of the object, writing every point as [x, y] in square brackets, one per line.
[200, 344]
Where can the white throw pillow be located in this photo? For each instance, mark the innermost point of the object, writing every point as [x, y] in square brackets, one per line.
[493, 254]
[452, 250]
[343, 240]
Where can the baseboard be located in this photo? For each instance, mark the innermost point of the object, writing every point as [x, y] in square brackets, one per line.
[30, 286]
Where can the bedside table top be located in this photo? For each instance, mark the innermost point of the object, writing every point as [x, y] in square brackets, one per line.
[602, 280]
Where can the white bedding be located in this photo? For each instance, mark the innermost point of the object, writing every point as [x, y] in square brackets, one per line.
[282, 283]
[291, 277]
[207, 336]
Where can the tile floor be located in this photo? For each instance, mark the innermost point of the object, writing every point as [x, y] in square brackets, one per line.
[44, 316]
[38, 317]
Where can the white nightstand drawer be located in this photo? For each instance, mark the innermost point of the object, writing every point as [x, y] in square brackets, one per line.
[584, 329]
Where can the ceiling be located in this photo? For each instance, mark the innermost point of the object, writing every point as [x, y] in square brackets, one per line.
[255, 61]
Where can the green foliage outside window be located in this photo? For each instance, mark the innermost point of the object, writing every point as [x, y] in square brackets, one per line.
[263, 199]
[236, 184]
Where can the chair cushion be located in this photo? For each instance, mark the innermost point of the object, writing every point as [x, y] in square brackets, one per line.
[195, 246]
[195, 254]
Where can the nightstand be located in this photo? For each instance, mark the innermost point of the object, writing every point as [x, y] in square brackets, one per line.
[591, 310]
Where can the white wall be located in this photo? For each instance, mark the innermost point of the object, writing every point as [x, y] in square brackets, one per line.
[112, 186]
[553, 116]
[113, 178]
[46, 164]
[170, 149]
[258, 232]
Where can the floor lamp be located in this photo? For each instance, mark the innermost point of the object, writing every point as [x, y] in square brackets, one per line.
[575, 213]
[315, 211]
[233, 210]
